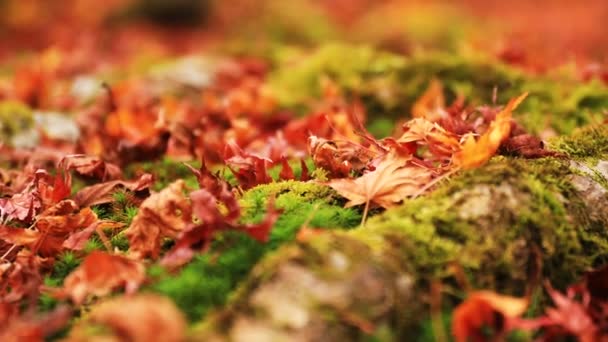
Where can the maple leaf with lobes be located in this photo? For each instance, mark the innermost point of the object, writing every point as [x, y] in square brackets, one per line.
[393, 179]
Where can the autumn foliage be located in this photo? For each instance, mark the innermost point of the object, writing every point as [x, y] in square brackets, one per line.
[126, 155]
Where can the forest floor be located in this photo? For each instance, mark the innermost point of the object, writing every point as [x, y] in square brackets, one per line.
[303, 170]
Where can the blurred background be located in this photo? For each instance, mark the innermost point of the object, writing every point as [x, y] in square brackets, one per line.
[532, 34]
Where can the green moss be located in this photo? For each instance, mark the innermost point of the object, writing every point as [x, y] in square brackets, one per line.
[120, 241]
[207, 282]
[297, 78]
[390, 84]
[590, 142]
[65, 264]
[93, 244]
[539, 217]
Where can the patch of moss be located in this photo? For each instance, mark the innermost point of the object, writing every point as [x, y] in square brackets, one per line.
[65, 264]
[389, 85]
[537, 215]
[297, 78]
[590, 142]
[93, 244]
[207, 282]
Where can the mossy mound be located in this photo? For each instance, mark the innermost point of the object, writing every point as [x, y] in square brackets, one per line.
[505, 226]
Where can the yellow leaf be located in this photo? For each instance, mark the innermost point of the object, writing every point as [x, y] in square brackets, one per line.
[475, 153]
[431, 104]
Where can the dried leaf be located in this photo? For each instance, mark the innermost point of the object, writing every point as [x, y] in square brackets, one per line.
[90, 166]
[393, 180]
[56, 229]
[205, 206]
[476, 153]
[431, 105]
[100, 274]
[485, 309]
[78, 240]
[51, 229]
[31, 328]
[162, 215]
[101, 192]
[250, 170]
[145, 317]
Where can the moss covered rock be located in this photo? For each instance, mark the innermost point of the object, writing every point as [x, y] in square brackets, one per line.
[507, 226]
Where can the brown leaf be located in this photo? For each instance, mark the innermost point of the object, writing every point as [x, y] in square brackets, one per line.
[54, 230]
[162, 215]
[205, 207]
[78, 240]
[393, 180]
[21, 278]
[144, 317]
[101, 192]
[90, 166]
[31, 328]
[101, 273]
[51, 230]
[249, 169]
[440, 142]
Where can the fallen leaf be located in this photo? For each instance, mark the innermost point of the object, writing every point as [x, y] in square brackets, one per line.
[90, 166]
[51, 229]
[144, 317]
[250, 170]
[101, 273]
[78, 240]
[205, 207]
[485, 309]
[27, 327]
[476, 153]
[393, 179]
[162, 215]
[101, 192]
[431, 104]
[55, 229]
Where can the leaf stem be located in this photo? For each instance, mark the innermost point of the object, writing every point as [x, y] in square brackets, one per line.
[365, 211]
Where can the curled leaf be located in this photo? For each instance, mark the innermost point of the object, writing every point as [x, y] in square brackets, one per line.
[476, 153]
[163, 214]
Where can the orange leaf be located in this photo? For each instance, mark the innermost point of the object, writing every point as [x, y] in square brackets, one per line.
[431, 104]
[476, 153]
[484, 309]
[101, 273]
[146, 317]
